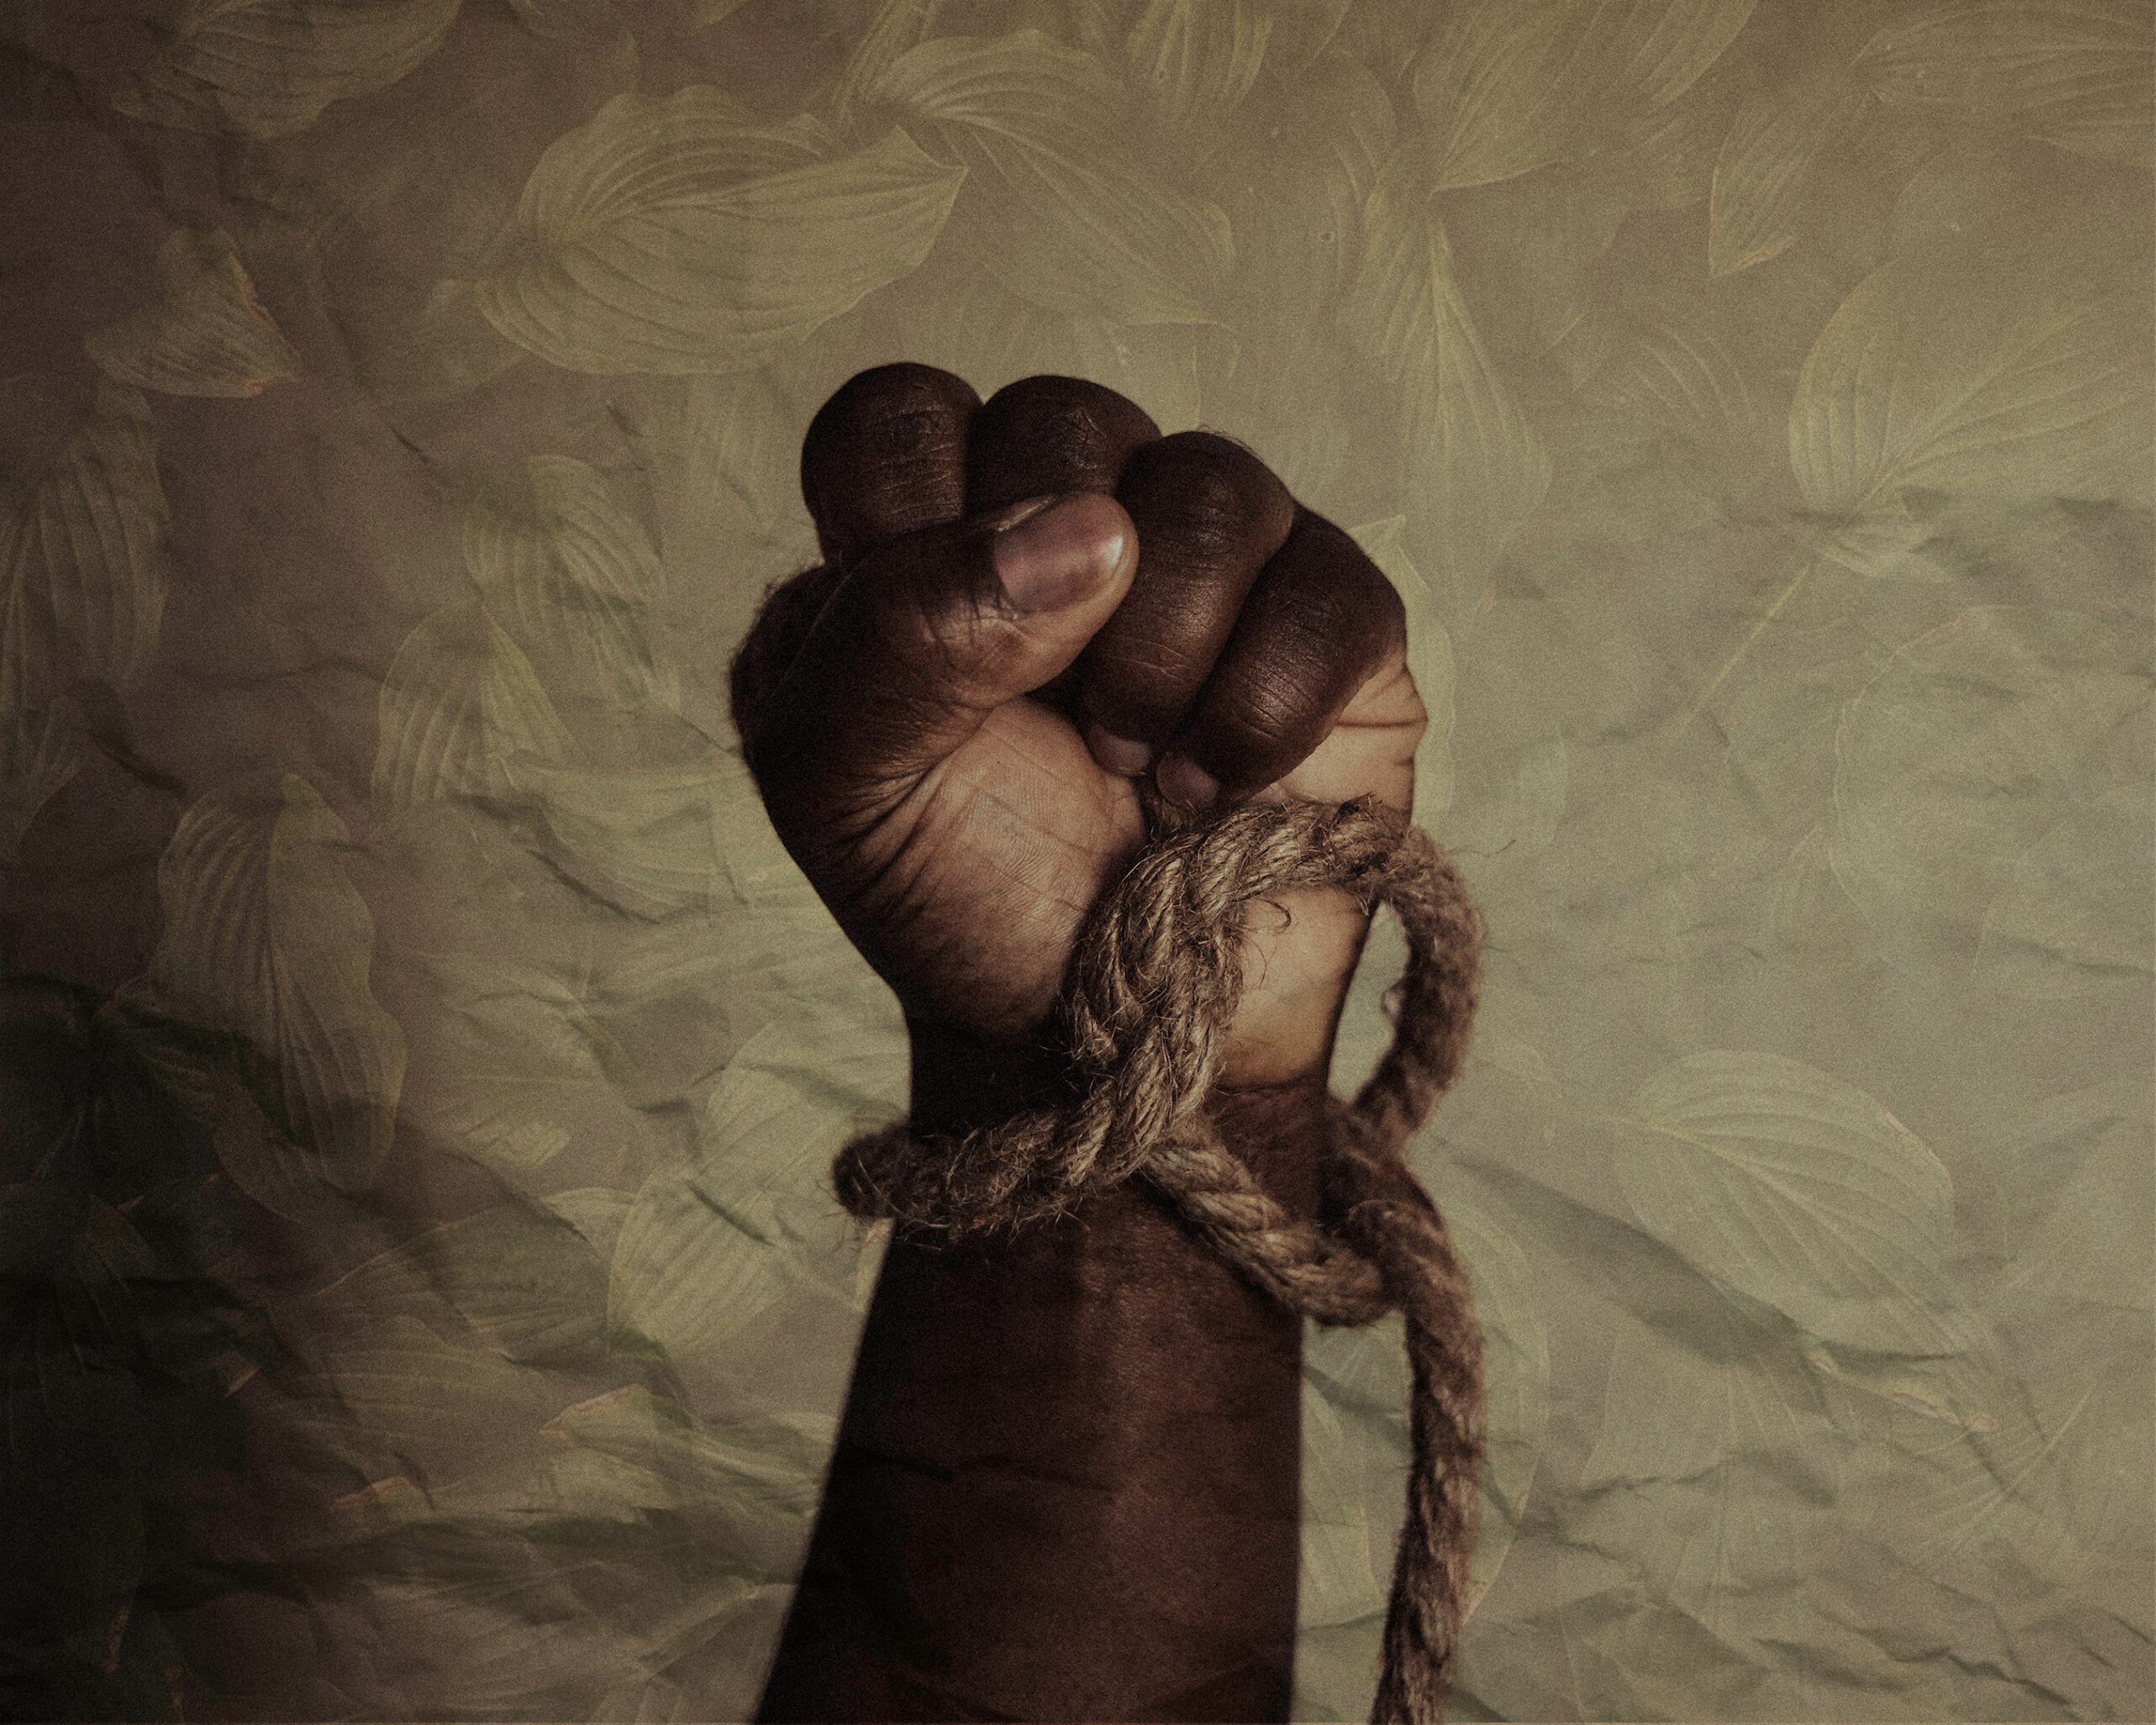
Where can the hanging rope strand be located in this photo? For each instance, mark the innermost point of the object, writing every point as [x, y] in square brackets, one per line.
[1154, 984]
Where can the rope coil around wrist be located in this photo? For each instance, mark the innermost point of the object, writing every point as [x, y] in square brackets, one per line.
[1154, 981]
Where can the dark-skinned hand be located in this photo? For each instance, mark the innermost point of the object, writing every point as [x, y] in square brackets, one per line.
[1025, 605]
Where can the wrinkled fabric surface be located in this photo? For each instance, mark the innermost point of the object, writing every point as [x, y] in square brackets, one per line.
[422, 1295]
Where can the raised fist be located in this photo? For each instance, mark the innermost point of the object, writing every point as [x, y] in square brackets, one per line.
[1026, 605]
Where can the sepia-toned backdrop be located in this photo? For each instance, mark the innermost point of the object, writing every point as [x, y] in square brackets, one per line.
[422, 1296]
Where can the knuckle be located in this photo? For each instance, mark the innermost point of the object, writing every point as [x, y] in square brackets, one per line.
[883, 426]
[1210, 491]
[1076, 424]
[1341, 595]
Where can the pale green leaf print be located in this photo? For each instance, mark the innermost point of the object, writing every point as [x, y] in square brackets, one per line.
[574, 576]
[650, 839]
[587, 23]
[1706, 1474]
[681, 234]
[1800, 1193]
[1476, 463]
[712, 1248]
[86, 560]
[261, 1156]
[542, 1582]
[1193, 62]
[777, 1462]
[265, 68]
[207, 335]
[596, 1212]
[265, 938]
[40, 751]
[515, 1065]
[1682, 382]
[2080, 74]
[2076, 1198]
[393, 1395]
[1429, 660]
[1766, 161]
[1971, 778]
[2005, 1501]
[1505, 89]
[444, 350]
[521, 1279]
[1340, 1583]
[2077, 910]
[462, 713]
[1984, 392]
[1058, 206]
[898, 26]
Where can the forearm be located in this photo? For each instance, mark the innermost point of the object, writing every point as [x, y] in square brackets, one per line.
[1065, 1484]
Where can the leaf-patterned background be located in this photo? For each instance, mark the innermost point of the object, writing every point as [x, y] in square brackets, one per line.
[423, 1298]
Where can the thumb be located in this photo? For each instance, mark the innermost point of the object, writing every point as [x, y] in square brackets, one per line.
[925, 636]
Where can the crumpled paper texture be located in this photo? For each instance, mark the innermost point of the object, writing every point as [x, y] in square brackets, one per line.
[423, 1297]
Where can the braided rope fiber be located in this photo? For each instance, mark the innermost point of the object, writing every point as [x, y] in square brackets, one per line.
[1153, 986]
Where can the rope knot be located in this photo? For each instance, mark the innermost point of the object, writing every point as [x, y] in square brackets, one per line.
[1154, 981]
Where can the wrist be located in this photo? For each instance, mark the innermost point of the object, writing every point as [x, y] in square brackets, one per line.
[1274, 1123]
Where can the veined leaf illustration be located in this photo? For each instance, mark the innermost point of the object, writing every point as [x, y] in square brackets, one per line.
[514, 1064]
[1985, 391]
[2080, 74]
[523, 1280]
[396, 1394]
[85, 558]
[589, 24]
[2073, 1175]
[1799, 1192]
[1760, 175]
[1682, 382]
[1300, 222]
[1507, 89]
[40, 751]
[1194, 61]
[596, 1212]
[575, 576]
[2007, 728]
[552, 1582]
[2077, 910]
[1708, 1478]
[2025, 1500]
[264, 68]
[1059, 207]
[443, 350]
[680, 234]
[710, 1249]
[264, 938]
[1340, 1580]
[461, 709]
[779, 1462]
[208, 335]
[1473, 458]
[899, 26]
[650, 839]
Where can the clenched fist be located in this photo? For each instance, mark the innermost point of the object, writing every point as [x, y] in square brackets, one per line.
[1026, 605]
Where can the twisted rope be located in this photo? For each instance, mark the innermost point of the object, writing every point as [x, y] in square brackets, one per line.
[1154, 984]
